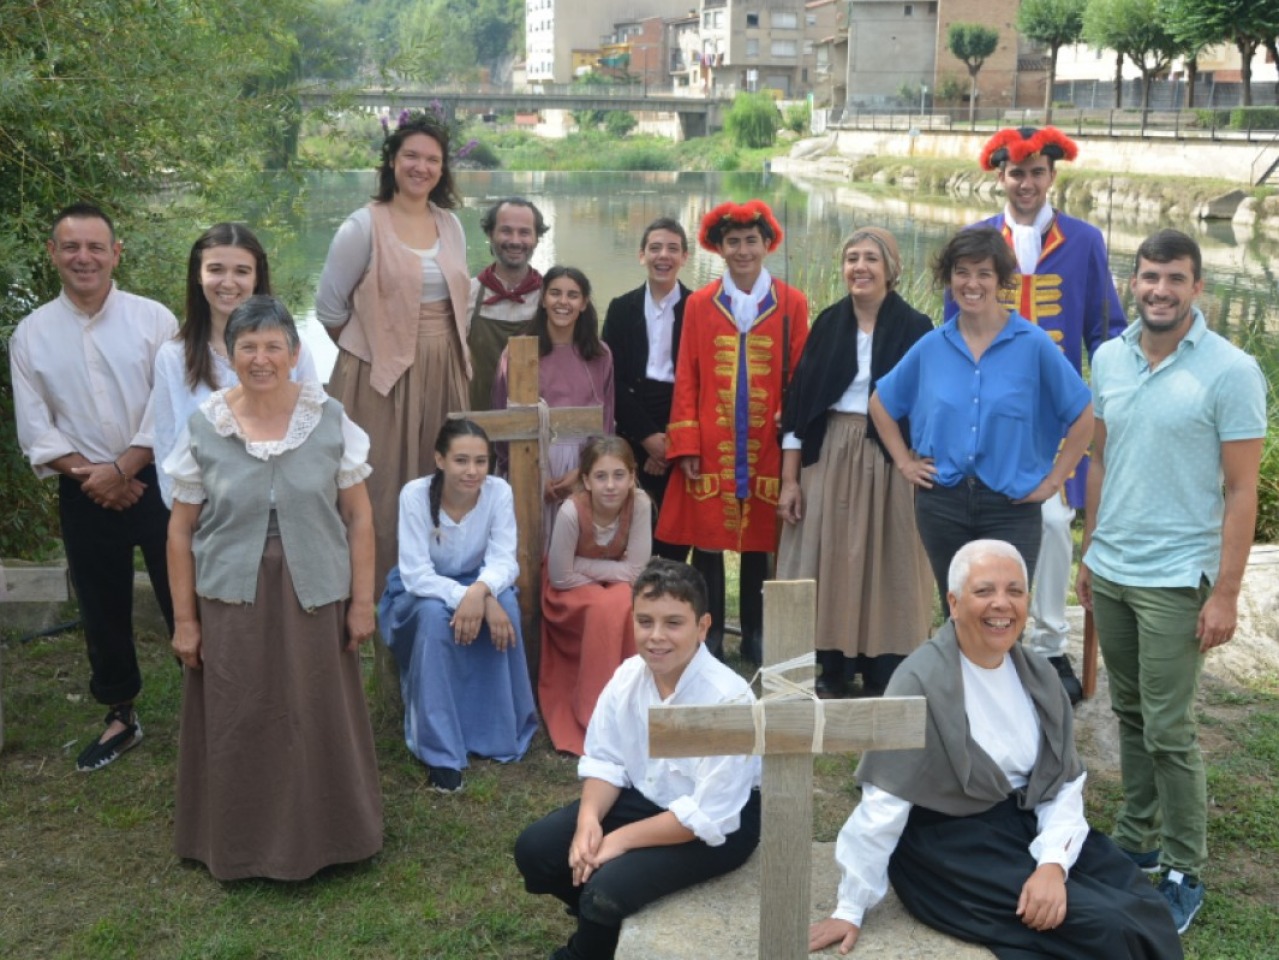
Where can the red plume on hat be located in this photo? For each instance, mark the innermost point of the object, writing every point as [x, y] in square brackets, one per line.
[1017, 144]
[729, 215]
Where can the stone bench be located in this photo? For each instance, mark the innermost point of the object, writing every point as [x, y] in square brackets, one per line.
[719, 920]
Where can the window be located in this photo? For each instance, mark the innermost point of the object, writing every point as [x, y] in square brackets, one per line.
[932, 9]
[752, 20]
[785, 20]
[784, 48]
[908, 10]
[810, 19]
[808, 48]
[752, 47]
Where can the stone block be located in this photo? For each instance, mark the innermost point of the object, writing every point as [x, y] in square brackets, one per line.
[719, 920]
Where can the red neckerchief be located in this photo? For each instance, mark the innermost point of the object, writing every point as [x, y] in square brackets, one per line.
[531, 283]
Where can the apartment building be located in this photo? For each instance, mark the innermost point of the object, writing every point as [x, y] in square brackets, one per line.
[754, 45]
[555, 29]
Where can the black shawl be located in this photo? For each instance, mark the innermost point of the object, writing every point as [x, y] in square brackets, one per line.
[829, 364]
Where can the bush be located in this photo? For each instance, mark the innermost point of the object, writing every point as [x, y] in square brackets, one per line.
[483, 156]
[1254, 118]
[752, 120]
[618, 123]
[1207, 119]
[799, 117]
[645, 157]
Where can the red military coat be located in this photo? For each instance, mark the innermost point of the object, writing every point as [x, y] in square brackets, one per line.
[728, 391]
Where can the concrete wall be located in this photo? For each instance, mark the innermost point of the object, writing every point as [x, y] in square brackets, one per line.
[1169, 158]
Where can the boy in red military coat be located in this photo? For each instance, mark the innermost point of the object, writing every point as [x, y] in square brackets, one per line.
[741, 340]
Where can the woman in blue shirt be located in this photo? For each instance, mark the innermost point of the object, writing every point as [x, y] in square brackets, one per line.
[998, 417]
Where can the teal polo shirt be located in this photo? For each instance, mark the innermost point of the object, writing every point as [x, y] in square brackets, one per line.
[1159, 521]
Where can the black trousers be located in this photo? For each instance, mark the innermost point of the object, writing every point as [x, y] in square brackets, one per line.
[634, 880]
[949, 517]
[99, 544]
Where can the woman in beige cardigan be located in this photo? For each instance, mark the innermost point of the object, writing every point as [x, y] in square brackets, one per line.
[393, 296]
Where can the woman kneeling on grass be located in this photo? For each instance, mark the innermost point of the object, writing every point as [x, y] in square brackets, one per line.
[450, 617]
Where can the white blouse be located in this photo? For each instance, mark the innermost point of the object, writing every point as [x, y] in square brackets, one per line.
[1008, 730]
[484, 540]
[173, 400]
[187, 478]
[856, 397]
[706, 794]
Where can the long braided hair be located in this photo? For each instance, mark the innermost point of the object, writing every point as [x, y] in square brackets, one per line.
[443, 442]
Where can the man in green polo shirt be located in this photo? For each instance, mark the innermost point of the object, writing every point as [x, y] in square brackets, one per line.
[1171, 509]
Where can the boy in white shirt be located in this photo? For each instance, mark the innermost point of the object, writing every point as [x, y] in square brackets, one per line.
[646, 827]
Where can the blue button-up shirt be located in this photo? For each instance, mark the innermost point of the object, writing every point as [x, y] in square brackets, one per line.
[1000, 419]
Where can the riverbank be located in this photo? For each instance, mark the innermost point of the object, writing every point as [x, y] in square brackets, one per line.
[930, 167]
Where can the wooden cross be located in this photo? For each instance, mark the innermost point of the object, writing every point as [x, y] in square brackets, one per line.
[787, 787]
[518, 426]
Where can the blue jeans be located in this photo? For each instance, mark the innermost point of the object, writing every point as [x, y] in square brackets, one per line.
[949, 517]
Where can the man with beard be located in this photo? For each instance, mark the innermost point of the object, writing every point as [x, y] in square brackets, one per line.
[1065, 287]
[1171, 509]
[504, 294]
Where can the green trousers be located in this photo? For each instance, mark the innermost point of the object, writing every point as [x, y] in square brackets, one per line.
[1147, 638]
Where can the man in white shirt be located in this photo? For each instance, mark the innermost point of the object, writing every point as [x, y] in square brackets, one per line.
[505, 294]
[82, 369]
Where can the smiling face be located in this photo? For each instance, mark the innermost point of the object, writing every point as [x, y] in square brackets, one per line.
[228, 277]
[564, 302]
[743, 250]
[263, 359]
[1165, 294]
[975, 286]
[865, 273]
[663, 256]
[85, 255]
[514, 236]
[667, 635]
[417, 166]
[465, 466]
[1027, 184]
[990, 609]
[608, 482]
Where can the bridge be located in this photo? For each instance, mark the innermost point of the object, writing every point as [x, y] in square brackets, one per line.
[697, 115]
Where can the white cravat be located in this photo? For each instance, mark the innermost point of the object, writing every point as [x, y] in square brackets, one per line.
[746, 305]
[1028, 241]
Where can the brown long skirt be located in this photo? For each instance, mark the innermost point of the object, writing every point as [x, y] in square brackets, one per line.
[858, 540]
[277, 776]
[402, 426]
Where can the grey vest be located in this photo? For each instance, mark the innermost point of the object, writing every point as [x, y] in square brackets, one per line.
[233, 522]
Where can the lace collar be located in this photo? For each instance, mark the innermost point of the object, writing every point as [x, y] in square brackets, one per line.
[306, 415]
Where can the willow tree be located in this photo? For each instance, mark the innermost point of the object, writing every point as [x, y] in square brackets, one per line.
[1055, 24]
[973, 44]
[113, 103]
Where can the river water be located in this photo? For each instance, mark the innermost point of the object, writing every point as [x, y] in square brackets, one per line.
[596, 220]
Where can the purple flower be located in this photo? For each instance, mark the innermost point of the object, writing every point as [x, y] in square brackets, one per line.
[467, 148]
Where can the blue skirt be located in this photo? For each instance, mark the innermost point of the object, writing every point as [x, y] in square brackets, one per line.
[457, 699]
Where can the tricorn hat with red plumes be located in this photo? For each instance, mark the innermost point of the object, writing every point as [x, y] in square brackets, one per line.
[730, 215]
[1017, 144]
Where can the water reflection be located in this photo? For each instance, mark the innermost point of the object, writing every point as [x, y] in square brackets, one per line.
[597, 218]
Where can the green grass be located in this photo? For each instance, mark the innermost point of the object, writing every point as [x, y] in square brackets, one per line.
[87, 871]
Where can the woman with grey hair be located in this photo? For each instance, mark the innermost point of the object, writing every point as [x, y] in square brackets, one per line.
[982, 831]
[271, 566]
[849, 516]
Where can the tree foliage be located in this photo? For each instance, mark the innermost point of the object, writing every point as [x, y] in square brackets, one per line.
[1134, 29]
[119, 103]
[1248, 24]
[436, 40]
[752, 120]
[972, 43]
[1056, 24]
